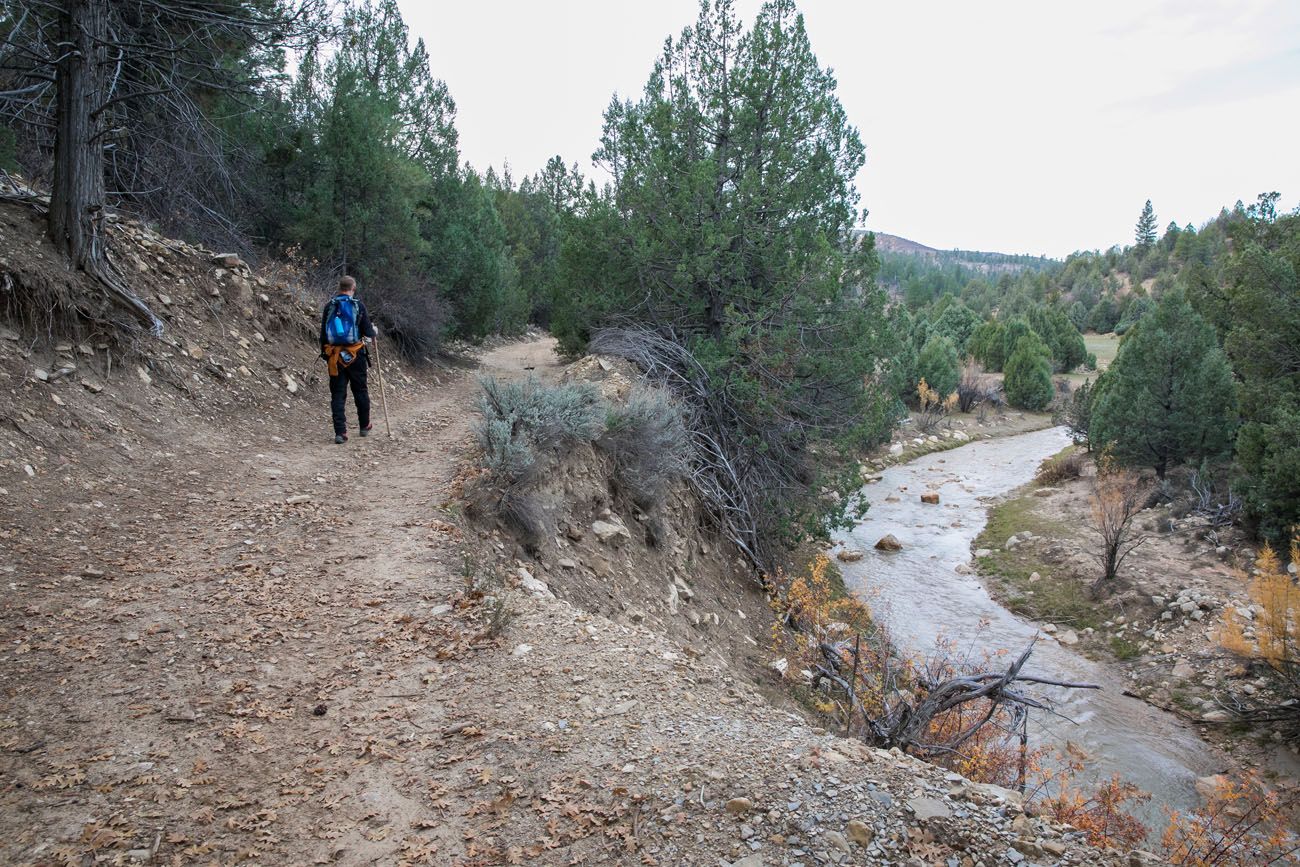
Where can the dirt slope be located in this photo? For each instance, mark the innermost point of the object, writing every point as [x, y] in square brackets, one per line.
[226, 640]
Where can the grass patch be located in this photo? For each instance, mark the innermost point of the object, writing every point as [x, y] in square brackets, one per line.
[1104, 346]
[1055, 597]
[1123, 649]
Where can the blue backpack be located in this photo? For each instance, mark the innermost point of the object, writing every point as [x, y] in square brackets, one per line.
[341, 322]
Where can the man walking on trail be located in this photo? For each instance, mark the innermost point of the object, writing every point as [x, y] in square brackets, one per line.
[344, 327]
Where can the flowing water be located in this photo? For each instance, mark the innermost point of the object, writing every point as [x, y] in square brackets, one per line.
[920, 594]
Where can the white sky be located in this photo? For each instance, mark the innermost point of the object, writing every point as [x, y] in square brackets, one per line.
[1022, 126]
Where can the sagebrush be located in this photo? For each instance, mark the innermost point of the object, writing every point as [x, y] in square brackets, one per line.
[648, 441]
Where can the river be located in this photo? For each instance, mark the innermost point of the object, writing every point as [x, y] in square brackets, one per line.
[920, 595]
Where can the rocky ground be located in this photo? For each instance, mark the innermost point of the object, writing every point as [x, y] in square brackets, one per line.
[227, 640]
[1157, 625]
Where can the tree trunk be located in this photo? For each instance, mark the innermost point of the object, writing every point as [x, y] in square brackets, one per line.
[77, 199]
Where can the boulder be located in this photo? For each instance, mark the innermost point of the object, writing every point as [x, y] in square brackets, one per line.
[889, 543]
[849, 555]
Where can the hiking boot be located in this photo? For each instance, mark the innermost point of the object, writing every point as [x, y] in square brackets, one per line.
[365, 431]
[340, 439]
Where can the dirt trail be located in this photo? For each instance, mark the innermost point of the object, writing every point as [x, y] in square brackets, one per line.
[161, 639]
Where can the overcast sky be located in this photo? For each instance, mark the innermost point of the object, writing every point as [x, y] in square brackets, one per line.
[1024, 127]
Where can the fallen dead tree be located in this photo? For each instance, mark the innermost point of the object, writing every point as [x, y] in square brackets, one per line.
[906, 718]
[968, 714]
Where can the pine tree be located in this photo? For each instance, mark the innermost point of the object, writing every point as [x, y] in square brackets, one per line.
[1169, 397]
[1145, 235]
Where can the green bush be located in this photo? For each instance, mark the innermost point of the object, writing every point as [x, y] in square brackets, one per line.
[1028, 380]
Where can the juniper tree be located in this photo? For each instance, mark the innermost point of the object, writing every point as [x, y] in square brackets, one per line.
[122, 86]
[733, 201]
[1028, 378]
[1169, 396]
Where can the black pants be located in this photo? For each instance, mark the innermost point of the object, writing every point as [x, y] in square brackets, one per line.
[355, 375]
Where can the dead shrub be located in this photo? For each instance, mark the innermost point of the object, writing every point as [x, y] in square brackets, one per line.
[413, 315]
[1061, 468]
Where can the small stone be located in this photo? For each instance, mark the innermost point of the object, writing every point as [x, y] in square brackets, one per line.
[983, 552]
[566, 563]
[838, 841]
[144, 375]
[522, 650]
[1069, 638]
[533, 585]
[889, 543]
[297, 499]
[930, 499]
[1217, 716]
[860, 832]
[622, 707]
[737, 806]
[849, 555]
[1034, 577]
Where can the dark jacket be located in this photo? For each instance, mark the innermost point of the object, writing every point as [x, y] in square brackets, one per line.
[364, 326]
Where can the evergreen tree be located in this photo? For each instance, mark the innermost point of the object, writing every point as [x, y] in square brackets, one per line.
[1169, 397]
[1261, 324]
[987, 346]
[734, 207]
[938, 365]
[1145, 235]
[1028, 379]
[957, 322]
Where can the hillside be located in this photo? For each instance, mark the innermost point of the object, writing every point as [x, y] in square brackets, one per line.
[229, 640]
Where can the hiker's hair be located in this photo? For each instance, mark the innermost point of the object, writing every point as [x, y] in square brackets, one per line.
[347, 284]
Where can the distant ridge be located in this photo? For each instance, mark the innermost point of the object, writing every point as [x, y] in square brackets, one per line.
[895, 244]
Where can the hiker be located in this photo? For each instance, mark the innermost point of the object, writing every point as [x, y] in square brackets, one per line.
[344, 327]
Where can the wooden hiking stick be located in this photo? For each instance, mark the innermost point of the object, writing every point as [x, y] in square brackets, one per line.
[383, 395]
